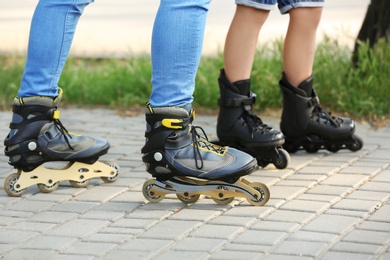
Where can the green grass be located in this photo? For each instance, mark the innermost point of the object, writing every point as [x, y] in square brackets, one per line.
[362, 91]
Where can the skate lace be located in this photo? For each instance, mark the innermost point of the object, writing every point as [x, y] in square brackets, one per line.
[58, 124]
[322, 113]
[254, 123]
[201, 142]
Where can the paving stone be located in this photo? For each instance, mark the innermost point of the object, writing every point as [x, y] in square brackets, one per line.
[15, 236]
[90, 248]
[177, 229]
[285, 192]
[246, 248]
[357, 205]
[78, 228]
[300, 248]
[369, 195]
[330, 190]
[356, 248]
[150, 214]
[32, 226]
[368, 237]
[260, 237]
[122, 254]
[331, 224]
[233, 221]
[29, 206]
[234, 255]
[290, 216]
[49, 242]
[103, 215]
[375, 226]
[150, 245]
[74, 206]
[351, 180]
[276, 226]
[381, 214]
[199, 244]
[134, 223]
[331, 255]
[53, 217]
[306, 206]
[249, 211]
[195, 214]
[29, 254]
[217, 231]
[313, 236]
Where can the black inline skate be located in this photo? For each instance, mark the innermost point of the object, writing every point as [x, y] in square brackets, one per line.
[183, 162]
[307, 126]
[240, 128]
[37, 136]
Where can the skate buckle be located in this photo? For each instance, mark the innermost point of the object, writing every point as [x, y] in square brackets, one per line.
[172, 123]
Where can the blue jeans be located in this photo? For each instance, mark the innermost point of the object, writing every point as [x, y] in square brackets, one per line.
[176, 48]
[283, 5]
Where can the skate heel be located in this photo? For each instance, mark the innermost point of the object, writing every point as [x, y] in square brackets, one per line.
[48, 179]
[189, 190]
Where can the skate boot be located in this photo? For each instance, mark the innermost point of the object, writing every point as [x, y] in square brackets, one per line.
[37, 136]
[240, 128]
[183, 162]
[307, 126]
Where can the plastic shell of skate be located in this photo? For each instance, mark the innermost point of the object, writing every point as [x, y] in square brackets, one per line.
[48, 179]
[188, 190]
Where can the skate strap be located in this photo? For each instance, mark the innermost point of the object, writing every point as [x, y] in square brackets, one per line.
[238, 102]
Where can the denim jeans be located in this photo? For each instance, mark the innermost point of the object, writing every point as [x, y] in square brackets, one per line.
[283, 5]
[176, 48]
[51, 34]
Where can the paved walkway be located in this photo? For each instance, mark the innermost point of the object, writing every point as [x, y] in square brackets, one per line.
[324, 206]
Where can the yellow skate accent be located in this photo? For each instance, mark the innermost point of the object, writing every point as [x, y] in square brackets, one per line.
[48, 179]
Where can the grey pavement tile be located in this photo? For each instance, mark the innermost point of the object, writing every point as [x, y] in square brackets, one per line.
[90, 248]
[301, 235]
[108, 237]
[103, 215]
[249, 211]
[301, 248]
[73, 257]
[234, 255]
[149, 245]
[357, 205]
[331, 255]
[20, 253]
[169, 255]
[375, 226]
[150, 214]
[78, 228]
[306, 206]
[177, 229]
[286, 257]
[16, 236]
[195, 214]
[276, 226]
[53, 217]
[349, 180]
[100, 194]
[134, 223]
[199, 244]
[333, 224]
[233, 221]
[217, 231]
[74, 206]
[49, 242]
[30, 206]
[286, 192]
[330, 190]
[237, 247]
[123, 254]
[381, 214]
[369, 195]
[260, 237]
[318, 197]
[32, 226]
[291, 216]
[359, 248]
[348, 213]
[376, 186]
[368, 237]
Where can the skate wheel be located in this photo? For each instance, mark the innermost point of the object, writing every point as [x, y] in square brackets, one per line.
[222, 201]
[225, 201]
[47, 189]
[283, 159]
[311, 148]
[9, 185]
[79, 184]
[357, 145]
[264, 192]
[115, 173]
[188, 200]
[334, 148]
[148, 193]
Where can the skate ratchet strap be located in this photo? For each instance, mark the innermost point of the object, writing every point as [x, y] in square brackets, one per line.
[238, 102]
[314, 101]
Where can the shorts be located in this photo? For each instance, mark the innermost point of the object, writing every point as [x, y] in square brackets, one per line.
[284, 5]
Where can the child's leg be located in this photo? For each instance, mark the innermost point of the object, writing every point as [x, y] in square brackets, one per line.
[299, 44]
[241, 42]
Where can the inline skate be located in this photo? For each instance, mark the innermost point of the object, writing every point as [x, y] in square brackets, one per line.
[308, 126]
[240, 128]
[183, 162]
[37, 138]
